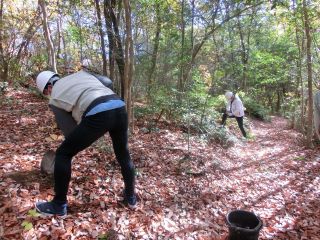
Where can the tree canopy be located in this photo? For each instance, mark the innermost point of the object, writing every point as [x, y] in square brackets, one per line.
[258, 48]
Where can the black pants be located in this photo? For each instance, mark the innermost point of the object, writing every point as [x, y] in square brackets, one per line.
[89, 130]
[239, 121]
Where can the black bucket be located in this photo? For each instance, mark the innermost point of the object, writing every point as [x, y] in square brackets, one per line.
[243, 225]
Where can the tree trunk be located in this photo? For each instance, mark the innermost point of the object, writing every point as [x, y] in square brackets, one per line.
[46, 30]
[299, 79]
[155, 50]
[1, 29]
[278, 105]
[245, 45]
[3, 64]
[181, 79]
[231, 35]
[309, 70]
[59, 26]
[111, 39]
[192, 22]
[118, 49]
[78, 24]
[128, 73]
[103, 48]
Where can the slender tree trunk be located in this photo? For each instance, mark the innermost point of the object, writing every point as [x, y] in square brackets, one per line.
[46, 30]
[278, 101]
[192, 22]
[182, 61]
[309, 70]
[1, 28]
[299, 78]
[62, 45]
[155, 49]
[103, 48]
[118, 50]
[231, 35]
[59, 25]
[3, 69]
[245, 45]
[78, 23]
[128, 70]
[300, 45]
[111, 39]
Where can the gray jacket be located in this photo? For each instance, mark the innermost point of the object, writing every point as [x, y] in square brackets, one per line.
[74, 93]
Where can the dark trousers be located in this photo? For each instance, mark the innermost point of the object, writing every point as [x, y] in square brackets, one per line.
[89, 130]
[239, 121]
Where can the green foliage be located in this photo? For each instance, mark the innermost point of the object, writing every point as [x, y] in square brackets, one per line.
[109, 235]
[208, 128]
[27, 225]
[219, 103]
[291, 109]
[103, 237]
[300, 158]
[75, 34]
[33, 213]
[162, 101]
[269, 68]
[194, 109]
[38, 62]
[258, 51]
[289, 105]
[255, 109]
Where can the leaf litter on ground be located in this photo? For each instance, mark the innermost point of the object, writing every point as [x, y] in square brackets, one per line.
[182, 195]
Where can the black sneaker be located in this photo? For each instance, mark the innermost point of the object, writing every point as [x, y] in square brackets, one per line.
[51, 208]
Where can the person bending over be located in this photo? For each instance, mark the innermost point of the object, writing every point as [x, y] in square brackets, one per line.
[85, 108]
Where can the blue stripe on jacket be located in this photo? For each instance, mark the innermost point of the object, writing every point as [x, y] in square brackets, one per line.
[109, 105]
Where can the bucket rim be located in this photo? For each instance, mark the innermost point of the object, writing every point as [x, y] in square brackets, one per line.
[257, 228]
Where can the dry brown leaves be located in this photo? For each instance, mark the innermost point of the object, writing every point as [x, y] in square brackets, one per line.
[182, 195]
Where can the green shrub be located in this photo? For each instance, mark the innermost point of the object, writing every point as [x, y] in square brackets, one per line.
[218, 103]
[255, 109]
[220, 135]
[193, 109]
[163, 101]
[208, 128]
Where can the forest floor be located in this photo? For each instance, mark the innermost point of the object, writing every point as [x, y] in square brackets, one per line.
[181, 196]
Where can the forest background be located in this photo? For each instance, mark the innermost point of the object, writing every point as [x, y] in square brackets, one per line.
[172, 62]
[174, 59]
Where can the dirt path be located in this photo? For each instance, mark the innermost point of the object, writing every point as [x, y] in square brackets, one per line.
[181, 197]
[278, 179]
